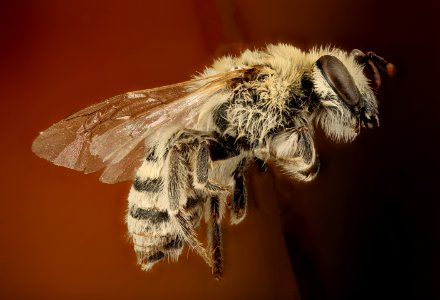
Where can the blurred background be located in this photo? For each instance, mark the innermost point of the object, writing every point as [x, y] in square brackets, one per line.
[366, 228]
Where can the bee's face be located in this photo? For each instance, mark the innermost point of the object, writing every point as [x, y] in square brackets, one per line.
[346, 96]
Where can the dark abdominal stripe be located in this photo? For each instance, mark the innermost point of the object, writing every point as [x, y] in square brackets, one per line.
[148, 185]
[154, 215]
[155, 257]
[176, 243]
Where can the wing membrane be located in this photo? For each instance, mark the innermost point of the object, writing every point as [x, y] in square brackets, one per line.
[114, 134]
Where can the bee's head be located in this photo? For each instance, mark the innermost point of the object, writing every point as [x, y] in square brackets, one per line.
[346, 99]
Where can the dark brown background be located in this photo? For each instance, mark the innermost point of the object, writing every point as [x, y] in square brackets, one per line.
[367, 228]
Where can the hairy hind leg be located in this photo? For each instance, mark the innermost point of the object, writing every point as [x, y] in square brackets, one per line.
[178, 186]
[216, 208]
[239, 200]
[197, 149]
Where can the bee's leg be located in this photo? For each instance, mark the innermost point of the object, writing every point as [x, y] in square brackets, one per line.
[301, 162]
[202, 166]
[215, 210]
[239, 200]
[177, 186]
[307, 151]
[194, 208]
[210, 195]
[176, 182]
[187, 229]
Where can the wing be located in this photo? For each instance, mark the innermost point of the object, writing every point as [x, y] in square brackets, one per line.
[112, 134]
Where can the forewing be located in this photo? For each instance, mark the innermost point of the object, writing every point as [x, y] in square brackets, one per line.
[67, 143]
[112, 133]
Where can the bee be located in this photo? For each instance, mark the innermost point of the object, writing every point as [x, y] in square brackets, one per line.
[187, 146]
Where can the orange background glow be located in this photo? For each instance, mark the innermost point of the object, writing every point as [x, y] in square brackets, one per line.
[366, 228]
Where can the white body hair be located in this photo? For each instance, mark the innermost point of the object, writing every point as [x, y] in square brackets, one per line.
[188, 145]
[278, 82]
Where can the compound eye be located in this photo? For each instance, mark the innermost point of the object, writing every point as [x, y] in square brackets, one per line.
[340, 80]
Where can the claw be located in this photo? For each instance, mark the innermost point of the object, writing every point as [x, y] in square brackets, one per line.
[214, 186]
